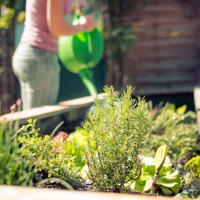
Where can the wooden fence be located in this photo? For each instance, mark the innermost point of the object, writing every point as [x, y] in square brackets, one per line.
[165, 58]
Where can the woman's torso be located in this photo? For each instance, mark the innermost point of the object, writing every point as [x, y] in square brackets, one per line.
[36, 32]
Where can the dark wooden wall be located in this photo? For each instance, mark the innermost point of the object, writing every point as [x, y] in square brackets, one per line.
[166, 56]
[7, 79]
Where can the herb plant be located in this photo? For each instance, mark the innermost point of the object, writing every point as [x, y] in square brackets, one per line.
[191, 187]
[44, 153]
[14, 169]
[176, 128]
[193, 167]
[115, 130]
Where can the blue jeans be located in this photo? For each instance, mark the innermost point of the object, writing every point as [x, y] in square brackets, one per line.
[38, 72]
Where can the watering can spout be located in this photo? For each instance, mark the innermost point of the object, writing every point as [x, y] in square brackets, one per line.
[87, 79]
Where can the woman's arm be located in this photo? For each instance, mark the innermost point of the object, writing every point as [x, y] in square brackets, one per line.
[55, 19]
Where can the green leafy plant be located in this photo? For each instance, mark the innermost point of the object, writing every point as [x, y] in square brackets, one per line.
[160, 158]
[193, 166]
[191, 187]
[45, 154]
[75, 146]
[158, 176]
[168, 181]
[115, 130]
[14, 169]
[192, 177]
[176, 128]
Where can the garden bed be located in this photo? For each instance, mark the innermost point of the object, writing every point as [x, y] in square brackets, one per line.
[123, 146]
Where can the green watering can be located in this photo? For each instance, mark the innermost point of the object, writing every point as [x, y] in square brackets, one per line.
[80, 53]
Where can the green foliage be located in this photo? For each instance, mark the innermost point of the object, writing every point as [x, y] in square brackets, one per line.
[193, 166]
[159, 175]
[47, 155]
[6, 17]
[9, 3]
[115, 130]
[168, 181]
[192, 178]
[14, 169]
[75, 146]
[160, 156]
[8, 10]
[125, 37]
[176, 128]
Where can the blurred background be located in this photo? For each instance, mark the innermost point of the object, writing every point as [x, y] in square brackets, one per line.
[153, 45]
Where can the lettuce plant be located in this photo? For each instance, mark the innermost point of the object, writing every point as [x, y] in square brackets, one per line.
[115, 130]
[159, 175]
[168, 180]
[75, 146]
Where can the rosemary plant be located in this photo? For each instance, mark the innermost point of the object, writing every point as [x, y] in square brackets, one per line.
[115, 130]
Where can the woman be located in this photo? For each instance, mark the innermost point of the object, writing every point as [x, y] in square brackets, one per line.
[35, 61]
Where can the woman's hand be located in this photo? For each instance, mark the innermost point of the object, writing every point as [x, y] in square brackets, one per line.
[89, 25]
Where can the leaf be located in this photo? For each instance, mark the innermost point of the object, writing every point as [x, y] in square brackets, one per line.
[139, 184]
[167, 162]
[176, 188]
[167, 185]
[160, 156]
[149, 170]
[181, 110]
[170, 180]
[148, 184]
[173, 176]
[166, 191]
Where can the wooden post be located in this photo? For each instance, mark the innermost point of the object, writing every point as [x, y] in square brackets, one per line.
[197, 103]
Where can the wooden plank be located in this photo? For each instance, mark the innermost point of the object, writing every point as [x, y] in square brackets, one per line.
[175, 12]
[197, 103]
[159, 42]
[48, 111]
[164, 78]
[166, 31]
[27, 193]
[159, 55]
[164, 89]
[164, 34]
[161, 65]
[151, 53]
[131, 21]
[197, 97]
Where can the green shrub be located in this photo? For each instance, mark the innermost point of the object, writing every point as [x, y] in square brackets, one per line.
[193, 167]
[192, 179]
[176, 128]
[115, 130]
[14, 169]
[47, 155]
